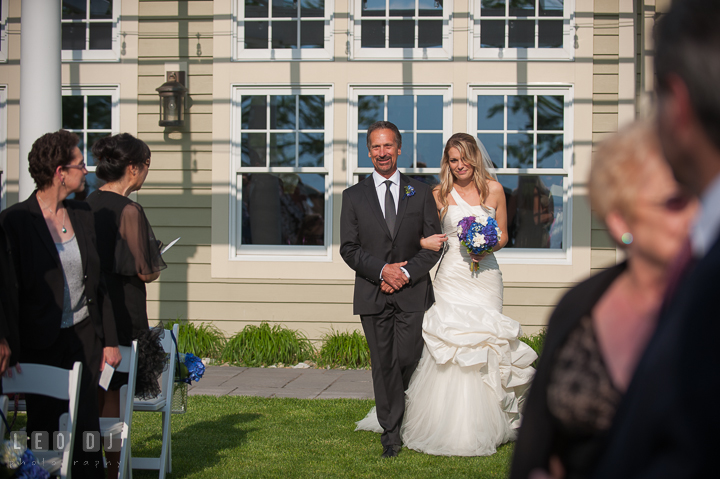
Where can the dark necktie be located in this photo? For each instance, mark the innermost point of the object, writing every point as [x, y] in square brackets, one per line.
[390, 213]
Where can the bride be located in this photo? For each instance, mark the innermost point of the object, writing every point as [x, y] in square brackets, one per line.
[465, 396]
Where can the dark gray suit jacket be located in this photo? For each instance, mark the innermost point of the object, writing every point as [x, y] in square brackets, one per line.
[367, 245]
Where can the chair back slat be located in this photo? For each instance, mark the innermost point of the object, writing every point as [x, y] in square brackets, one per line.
[39, 379]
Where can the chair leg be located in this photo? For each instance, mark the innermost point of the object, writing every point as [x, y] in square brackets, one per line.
[165, 451]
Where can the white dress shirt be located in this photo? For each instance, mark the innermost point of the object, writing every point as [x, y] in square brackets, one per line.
[707, 224]
[380, 188]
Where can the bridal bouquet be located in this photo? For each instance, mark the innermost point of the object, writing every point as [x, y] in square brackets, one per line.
[478, 236]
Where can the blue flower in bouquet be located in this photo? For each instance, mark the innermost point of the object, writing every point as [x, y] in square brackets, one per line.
[478, 236]
[195, 367]
[20, 463]
[409, 191]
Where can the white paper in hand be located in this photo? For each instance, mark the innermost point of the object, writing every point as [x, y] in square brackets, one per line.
[162, 251]
[106, 376]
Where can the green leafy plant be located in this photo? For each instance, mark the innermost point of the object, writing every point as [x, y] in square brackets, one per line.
[203, 340]
[535, 341]
[344, 349]
[266, 345]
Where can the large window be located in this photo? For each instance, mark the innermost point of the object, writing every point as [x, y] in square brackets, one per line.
[281, 159]
[422, 114]
[90, 30]
[3, 30]
[402, 29]
[523, 29]
[90, 113]
[528, 134]
[284, 30]
[3, 146]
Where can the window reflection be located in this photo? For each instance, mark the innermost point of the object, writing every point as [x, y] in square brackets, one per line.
[534, 210]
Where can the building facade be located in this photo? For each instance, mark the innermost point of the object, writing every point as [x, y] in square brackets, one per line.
[280, 94]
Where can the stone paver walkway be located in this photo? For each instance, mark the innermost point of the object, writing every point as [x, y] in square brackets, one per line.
[284, 383]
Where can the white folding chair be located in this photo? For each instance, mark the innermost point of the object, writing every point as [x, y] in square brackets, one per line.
[118, 428]
[60, 384]
[162, 404]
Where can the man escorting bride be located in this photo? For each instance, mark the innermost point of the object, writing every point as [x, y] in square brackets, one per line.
[466, 393]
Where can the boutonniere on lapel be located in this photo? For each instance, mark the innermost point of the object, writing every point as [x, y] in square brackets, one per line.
[409, 191]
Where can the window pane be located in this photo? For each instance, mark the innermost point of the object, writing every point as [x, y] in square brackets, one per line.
[402, 33]
[522, 34]
[312, 112]
[312, 8]
[282, 149]
[430, 180]
[284, 8]
[91, 139]
[551, 8]
[405, 160]
[72, 112]
[373, 34]
[256, 9]
[494, 144]
[550, 151]
[492, 8]
[492, 33]
[550, 34]
[311, 148]
[400, 111]
[430, 8]
[535, 218]
[491, 112]
[364, 160]
[73, 36]
[373, 8]
[312, 34]
[285, 209]
[520, 112]
[430, 149]
[254, 112]
[522, 8]
[402, 8]
[74, 9]
[284, 35]
[100, 9]
[252, 147]
[256, 34]
[430, 34]
[99, 112]
[100, 36]
[282, 112]
[550, 112]
[520, 150]
[430, 112]
[371, 108]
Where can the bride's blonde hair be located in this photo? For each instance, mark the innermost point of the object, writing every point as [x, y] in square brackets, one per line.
[471, 154]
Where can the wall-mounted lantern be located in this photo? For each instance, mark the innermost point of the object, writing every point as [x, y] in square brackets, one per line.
[172, 99]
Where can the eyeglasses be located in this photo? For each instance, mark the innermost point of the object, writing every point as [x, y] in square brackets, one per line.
[81, 166]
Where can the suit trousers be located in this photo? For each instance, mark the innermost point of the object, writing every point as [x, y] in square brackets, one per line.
[77, 343]
[396, 344]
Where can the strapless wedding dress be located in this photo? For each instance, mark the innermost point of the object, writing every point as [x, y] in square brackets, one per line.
[466, 394]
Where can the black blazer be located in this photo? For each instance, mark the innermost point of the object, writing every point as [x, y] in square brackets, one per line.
[40, 276]
[367, 245]
[538, 432]
[668, 422]
[8, 300]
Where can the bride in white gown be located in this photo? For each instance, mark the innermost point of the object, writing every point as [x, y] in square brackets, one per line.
[466, 394]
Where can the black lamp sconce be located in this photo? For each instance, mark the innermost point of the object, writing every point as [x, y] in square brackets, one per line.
[172, 99]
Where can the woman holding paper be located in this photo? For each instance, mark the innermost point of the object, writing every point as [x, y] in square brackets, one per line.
[130, 257]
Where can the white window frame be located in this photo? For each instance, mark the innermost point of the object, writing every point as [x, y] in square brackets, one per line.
[355, 150]
[567, 52]
[87, 55]
[357, 52]
[240, 53]
[3, 146]
[535, 255]
[3, 31]
[284, 253]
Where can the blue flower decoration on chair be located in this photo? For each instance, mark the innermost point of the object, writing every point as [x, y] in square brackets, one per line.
[409, 191]
[191, 368]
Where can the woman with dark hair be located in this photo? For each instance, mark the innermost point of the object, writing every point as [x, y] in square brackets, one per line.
[63, 316]
[130, 257]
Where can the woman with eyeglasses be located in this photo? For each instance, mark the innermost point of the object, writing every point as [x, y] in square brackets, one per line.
[130, 258]
[600, 328]
[63, 314]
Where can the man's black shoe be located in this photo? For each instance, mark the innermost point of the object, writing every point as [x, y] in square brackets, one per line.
[391, 451]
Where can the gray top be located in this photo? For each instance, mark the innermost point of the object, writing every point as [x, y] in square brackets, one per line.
[74, 302]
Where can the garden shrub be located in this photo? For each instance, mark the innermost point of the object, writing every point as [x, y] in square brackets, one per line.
[344, 349]
[265, 345]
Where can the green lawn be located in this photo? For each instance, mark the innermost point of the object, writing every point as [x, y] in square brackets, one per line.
[257, 437]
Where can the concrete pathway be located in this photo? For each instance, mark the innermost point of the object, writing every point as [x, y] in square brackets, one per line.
[284, 383]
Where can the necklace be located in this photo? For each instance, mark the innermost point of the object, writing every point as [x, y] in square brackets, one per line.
[64, 230]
